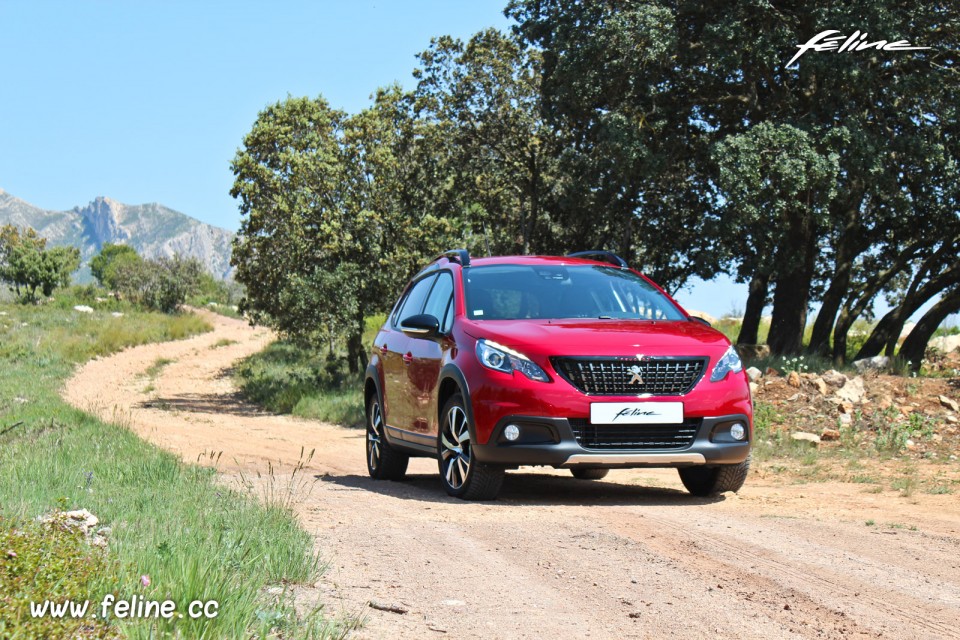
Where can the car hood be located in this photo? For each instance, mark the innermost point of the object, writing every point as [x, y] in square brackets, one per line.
[576, 337]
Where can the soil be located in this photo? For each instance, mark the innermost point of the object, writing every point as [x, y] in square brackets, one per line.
[631, 556]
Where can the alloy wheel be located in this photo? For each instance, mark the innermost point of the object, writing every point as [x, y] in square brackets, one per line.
[455, 448]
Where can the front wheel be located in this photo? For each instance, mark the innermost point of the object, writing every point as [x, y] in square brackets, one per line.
[589, 474]
[462, 476]
[709, 481]
[383, 461]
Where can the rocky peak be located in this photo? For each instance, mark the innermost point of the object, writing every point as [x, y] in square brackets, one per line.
[102, 217]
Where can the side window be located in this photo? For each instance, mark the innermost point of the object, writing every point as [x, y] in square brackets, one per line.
[415, 299]
[440, 297]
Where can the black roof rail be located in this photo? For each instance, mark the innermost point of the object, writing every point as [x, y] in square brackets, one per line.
[457, 255]
[609, 255]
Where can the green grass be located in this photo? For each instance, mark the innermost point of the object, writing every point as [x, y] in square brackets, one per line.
[287, 377]
[170, 521]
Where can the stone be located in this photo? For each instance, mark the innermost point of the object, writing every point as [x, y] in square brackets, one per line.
[821, 386]
[846, 408]
[806, 437]
[771, 373]
[846, 419]
[793, 379]
[946, 344]
[82, 308]
[830, 434]
[753, 351]
[876, 363]
[949, 404]
[754, 374]
[833, 378]
[754, 387]
[952, 419]
[884, 403]
[852, 391]
[910, 445]
[117, 314]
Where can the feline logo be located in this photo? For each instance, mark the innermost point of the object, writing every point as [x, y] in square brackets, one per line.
[826, 41]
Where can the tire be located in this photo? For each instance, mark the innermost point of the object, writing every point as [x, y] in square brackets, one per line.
[383, 461]
[709, 481]
[589, 474]
[462, 476]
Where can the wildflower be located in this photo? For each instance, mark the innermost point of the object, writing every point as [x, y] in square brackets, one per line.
[145, 580]
[11, 554]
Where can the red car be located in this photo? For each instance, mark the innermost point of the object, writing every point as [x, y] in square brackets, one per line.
[569, 362]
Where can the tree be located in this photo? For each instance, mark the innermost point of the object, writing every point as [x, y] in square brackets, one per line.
[105, 264]
[649, 90]
[27, 265]
[163, 284]
[478, 104]
[330, 222]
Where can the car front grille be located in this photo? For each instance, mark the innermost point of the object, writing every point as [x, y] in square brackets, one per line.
[634, 436]
[628, 376]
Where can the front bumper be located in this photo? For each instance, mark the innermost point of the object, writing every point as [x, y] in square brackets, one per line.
[551, 442]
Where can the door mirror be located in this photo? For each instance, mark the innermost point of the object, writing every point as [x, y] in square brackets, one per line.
[423, 325]
[701, 320]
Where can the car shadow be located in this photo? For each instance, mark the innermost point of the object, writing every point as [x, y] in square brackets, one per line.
[524, 489]
[216, 403]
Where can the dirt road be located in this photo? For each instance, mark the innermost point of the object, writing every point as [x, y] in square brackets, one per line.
[632, 556]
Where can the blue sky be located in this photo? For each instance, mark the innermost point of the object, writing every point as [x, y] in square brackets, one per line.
[148, 101]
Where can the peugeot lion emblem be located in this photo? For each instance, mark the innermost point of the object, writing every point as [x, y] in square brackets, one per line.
[636, 370]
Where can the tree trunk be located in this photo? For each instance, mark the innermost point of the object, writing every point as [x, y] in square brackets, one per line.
[356, 353]
[792, 293]
[849, 245]
[888, 330]
[832, 299]
[916, 343]
[756, 300]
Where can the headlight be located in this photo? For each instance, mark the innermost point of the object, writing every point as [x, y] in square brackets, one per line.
[500, 358]
[729, 363]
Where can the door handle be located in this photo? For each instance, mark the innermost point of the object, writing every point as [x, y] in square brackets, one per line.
[407, 358]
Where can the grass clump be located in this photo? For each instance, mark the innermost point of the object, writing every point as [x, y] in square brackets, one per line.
[289, 378]
[172, 522]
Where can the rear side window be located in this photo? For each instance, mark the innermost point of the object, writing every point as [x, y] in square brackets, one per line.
[413, 303]
[440, 297]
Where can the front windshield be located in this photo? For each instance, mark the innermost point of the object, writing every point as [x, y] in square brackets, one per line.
[514, 292]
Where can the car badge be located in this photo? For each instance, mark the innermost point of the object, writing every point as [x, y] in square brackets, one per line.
[635, 378]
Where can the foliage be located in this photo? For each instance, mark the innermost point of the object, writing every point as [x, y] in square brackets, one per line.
[670, 110]
[28, 265]
[48, 561]
[113, 258]
[162, 284]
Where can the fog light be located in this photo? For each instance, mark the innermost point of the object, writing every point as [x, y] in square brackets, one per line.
[512, 432]
[738, 431]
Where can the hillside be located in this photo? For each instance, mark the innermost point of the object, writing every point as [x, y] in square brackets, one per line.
[152, 229]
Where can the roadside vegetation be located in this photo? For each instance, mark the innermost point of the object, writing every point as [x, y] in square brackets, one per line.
[172, 531]
[290, 377]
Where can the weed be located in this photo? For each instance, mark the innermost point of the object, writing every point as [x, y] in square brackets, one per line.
[870, 522]
[222, 342]
[154, 370]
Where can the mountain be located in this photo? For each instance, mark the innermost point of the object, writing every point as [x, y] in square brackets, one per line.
[152, 229]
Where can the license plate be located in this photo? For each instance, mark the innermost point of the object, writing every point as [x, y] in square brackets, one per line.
[636, 412]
